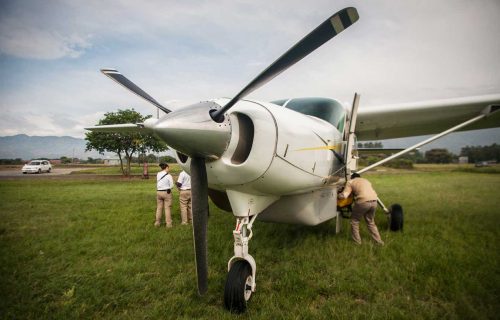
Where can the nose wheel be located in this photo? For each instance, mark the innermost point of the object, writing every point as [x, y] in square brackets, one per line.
[240, 281]
[238, 289]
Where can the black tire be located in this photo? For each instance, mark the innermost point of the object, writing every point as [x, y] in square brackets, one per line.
[396, 217]
[39, 171]
[50, 169]
[237, 291]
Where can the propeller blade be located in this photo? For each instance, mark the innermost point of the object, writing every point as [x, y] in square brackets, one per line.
[121, 79]
[199, 196]
[316, 38]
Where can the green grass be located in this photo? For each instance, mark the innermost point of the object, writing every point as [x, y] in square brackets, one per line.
[88, 249]
[432, 167]
[136, 169]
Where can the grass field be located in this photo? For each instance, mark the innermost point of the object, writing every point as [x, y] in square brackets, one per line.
[135, 169]
[88, 249]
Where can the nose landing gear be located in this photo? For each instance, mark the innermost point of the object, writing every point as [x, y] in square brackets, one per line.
[240, 281]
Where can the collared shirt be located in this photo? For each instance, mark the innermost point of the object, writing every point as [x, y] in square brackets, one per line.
[164, 182]
[362, 189]
[185, 181]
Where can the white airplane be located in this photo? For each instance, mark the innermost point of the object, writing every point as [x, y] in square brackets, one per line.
[283, 161]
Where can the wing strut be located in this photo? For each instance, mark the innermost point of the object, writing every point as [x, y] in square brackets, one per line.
[350, 137]
[489, 110]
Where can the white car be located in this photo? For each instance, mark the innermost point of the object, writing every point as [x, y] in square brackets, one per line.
[37, 166]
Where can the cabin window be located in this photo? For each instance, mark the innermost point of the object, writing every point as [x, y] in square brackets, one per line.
[327, 109]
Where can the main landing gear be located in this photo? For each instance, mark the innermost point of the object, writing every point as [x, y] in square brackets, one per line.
[395, 215]
[240, 282]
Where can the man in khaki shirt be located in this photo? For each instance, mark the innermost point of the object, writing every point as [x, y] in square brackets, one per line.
[365, 206]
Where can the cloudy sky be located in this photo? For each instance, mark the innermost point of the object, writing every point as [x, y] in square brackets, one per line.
[179, 51]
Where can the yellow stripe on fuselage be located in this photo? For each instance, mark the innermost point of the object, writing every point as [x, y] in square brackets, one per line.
[335, 147]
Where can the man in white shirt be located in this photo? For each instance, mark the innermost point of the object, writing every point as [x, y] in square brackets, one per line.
[184, 185]
[164, 185]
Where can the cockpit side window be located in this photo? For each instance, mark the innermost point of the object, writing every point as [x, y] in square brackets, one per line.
[327, 109]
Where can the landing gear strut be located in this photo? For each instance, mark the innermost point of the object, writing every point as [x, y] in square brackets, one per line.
[240, 282]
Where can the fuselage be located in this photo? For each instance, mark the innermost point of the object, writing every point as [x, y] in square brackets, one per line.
[275, 152]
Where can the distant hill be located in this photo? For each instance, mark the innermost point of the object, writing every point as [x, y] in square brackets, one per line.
[30, 147]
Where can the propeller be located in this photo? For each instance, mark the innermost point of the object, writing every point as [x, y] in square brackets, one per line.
[315, 39]
[199, 196]
[121, 79]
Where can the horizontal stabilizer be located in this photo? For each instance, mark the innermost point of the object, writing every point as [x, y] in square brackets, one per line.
[126, 127]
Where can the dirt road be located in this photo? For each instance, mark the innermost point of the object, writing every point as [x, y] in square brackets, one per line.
[16, 172]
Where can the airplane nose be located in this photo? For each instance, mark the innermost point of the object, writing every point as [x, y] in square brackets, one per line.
[192, 131]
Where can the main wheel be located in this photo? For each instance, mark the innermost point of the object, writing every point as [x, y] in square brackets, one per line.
[238, 288]
[396, 217]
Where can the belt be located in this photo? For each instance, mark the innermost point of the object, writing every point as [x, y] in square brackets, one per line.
[164, 190]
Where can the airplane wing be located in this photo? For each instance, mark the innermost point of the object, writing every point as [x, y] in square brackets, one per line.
[422, 118]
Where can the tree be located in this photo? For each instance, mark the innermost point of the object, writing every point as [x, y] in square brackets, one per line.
[371, 145]
[438, 156]
[151, 158]
[167, 159]
[482, 153]
[123, 144]
[65, 160]
[415, 156]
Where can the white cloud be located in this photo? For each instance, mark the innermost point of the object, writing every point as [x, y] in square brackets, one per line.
[37, 123]
[19, 39]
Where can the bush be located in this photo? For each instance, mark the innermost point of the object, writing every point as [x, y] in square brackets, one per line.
[400, 164]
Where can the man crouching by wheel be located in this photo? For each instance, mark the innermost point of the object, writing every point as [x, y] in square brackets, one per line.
[364, 207]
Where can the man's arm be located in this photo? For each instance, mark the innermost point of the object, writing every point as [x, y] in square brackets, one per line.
[180, 180]
[347, 191]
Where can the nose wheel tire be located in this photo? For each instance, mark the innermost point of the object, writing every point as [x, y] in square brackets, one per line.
[238, 289]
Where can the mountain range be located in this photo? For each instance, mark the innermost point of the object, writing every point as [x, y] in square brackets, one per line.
[52, 147]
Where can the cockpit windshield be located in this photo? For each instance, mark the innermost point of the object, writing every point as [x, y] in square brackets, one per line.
[327, 109]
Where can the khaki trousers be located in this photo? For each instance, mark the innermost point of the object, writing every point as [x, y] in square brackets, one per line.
[366, 210]
[185, 204]
[163, 201]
